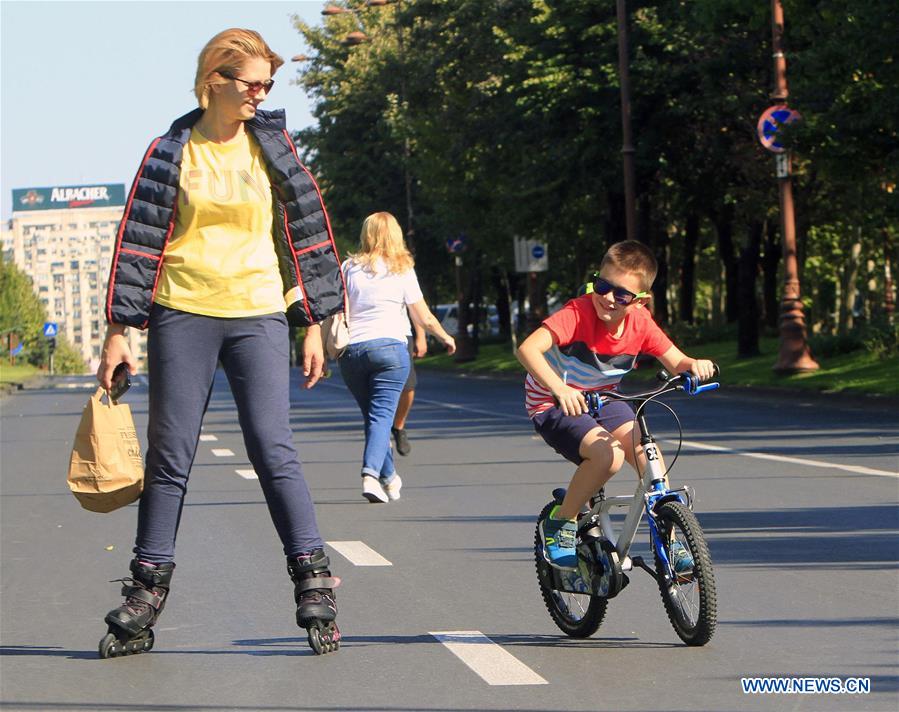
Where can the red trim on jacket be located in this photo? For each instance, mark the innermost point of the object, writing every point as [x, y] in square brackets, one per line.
[296, 263]
[313, 247]
[322, 201]
[142, 254]
[125, 215]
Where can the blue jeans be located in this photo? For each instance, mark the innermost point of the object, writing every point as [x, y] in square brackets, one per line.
[375, 372]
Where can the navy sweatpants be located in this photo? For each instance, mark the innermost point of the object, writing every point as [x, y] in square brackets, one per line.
[183, 351]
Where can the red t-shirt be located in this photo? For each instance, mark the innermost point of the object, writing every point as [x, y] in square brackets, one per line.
[587, 356]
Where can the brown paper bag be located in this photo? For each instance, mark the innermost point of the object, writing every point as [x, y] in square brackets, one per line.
[106, 470]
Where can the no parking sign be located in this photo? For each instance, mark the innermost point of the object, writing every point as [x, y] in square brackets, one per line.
[770, 122]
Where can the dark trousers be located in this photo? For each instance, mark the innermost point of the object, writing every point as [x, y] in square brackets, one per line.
[183, 351]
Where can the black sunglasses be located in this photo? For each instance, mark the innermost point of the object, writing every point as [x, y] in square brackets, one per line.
[622, 296]
[252, 87]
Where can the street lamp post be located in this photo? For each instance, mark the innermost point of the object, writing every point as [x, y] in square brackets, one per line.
[794, 353]
[627, 147]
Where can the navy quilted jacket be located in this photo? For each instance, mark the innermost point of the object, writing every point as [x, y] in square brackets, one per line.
[307, 256]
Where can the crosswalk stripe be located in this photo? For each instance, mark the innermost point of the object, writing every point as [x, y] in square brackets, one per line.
[358, 553]
[208, 438]
[222, 452]
[493, 664]
[248, 474]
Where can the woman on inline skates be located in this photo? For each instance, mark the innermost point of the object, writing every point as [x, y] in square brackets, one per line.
[224, 242]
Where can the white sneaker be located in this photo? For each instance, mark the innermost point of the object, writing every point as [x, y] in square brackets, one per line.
[372, 490]
[393, 488]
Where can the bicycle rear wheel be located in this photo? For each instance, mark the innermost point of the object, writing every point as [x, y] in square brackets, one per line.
[690, 598]
[578, 615]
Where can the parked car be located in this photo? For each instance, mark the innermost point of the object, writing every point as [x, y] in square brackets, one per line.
[448, 315]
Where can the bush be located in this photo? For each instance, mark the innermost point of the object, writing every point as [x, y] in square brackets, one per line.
[827, 345]
[880, 338]
[684, 334]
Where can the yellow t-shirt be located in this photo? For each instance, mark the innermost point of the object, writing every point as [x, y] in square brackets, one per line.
[220, 260]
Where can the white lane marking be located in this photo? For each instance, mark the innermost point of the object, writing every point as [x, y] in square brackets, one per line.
[454, 406]
[358, 553]
[222, 452]
[208, 438]
[858, 469]
[494, 665]
[248, 474]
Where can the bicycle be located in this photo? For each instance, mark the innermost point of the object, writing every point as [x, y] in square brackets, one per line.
[577, 600]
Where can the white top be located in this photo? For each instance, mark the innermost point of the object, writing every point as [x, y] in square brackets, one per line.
[378, 301]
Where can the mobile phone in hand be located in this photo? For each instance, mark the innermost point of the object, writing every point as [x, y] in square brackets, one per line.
[121, 381]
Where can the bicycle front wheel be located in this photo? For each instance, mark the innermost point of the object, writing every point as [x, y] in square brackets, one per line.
[578, 615]
[689, 595]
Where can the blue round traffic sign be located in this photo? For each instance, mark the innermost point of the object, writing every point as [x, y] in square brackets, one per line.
[455, 245]
[770, 122]
[537, 251]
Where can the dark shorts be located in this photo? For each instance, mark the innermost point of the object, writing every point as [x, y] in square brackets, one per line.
[564, 433]
[412, 381]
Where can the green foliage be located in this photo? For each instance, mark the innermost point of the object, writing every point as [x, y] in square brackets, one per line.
[22, 314]
[506, 117]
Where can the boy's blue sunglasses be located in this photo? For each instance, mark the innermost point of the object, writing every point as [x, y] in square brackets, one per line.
[621, 295]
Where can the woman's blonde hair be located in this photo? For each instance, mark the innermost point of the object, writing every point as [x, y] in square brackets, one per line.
[227, 52]
[382, 238]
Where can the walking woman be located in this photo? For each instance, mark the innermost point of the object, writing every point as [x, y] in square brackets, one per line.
[224, 241]
[381, 285]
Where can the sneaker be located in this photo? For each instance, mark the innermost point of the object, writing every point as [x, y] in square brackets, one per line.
[680, 558]
[393, 487]
[402, 441]
[559, 536]
[372, 490]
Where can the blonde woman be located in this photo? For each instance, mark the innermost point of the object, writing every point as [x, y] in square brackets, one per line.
[224, 241]
[381, 286]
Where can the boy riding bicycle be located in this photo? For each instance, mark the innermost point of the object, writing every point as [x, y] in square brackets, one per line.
[589, 345]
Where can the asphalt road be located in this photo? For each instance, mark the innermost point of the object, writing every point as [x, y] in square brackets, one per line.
[798, 498]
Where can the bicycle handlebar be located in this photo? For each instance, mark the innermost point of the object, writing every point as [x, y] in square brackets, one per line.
[686, 382]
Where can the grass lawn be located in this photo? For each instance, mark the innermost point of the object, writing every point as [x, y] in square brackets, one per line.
[19, 373]
[858, 372]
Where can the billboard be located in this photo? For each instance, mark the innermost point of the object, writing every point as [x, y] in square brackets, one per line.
[68, 196]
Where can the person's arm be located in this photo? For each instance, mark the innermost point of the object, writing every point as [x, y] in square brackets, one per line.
[313, 355]
[676, 361]
[420, 346]
[115, 351]
[530, 354]
[423, 317]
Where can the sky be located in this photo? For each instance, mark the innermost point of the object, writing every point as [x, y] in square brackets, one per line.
[86, 86]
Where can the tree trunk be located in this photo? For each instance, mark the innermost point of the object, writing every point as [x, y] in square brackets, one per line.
[688, 269]
[748, 321]
[724, 226]
[503, 308]
[848, 289]
[770, 262]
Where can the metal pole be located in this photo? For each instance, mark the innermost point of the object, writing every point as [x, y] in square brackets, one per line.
[794, 353]
[407, 148]
[627, 148]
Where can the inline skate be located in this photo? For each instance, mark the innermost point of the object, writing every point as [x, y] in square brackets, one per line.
[314, 595]
[130, 625]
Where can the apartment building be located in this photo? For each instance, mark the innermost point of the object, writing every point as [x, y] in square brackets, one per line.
[63, 238]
